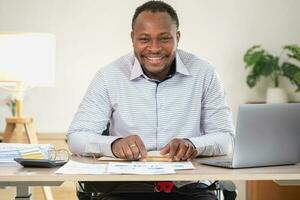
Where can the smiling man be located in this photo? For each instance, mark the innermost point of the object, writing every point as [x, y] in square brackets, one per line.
[155, 38]
[157, 98]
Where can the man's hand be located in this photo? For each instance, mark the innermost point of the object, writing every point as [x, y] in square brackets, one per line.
[130, 147]
[179, 150]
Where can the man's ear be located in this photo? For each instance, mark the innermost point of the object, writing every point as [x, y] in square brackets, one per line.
[132, 35]
[178, 36]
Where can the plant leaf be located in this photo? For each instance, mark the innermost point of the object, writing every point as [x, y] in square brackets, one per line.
[253, 55]
[289, 70]
[293, 51]
[292, 72]
[251, 80]
[297, 80]
[269, 64]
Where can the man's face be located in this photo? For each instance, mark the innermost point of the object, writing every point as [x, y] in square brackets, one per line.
[155, 38]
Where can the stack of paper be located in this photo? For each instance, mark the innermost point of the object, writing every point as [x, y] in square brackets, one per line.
[9, 151]
[32, 153]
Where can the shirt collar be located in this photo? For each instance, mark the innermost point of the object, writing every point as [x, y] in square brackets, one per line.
[181, 67]
[137, 71]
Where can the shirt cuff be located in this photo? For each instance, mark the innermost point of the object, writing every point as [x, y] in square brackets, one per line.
[213, 144]
[103, 147]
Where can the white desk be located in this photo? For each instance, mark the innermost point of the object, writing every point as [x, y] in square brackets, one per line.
[12, 174]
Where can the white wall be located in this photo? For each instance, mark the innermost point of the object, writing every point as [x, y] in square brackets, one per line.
[92, 33]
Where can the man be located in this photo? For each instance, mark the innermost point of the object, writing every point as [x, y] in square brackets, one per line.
[158, 98]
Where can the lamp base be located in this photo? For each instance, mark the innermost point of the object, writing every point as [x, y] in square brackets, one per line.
[17, 125]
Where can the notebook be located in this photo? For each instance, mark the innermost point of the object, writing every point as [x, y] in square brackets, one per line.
[266, 135]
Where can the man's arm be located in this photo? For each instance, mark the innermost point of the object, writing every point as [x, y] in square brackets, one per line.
[216, 126]
[216, 121]
[85, 132]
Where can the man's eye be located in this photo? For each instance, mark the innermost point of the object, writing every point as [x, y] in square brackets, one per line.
[144, 40]
[165, 39]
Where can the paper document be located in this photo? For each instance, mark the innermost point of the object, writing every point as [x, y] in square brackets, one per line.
[174, 165]
[138, 168]
[72, 167]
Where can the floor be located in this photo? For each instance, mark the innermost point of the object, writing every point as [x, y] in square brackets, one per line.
[65, 191]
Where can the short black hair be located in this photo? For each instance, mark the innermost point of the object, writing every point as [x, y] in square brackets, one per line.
[156, 6]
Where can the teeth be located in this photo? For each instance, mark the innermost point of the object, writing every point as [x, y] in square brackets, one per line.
[154, 58]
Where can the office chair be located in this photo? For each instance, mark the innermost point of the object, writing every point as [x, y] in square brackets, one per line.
[224, 190]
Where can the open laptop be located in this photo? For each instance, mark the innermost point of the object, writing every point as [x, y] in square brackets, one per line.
[266, 135]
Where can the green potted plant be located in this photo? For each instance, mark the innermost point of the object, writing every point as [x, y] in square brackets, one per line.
[261, 63]
[11, 103]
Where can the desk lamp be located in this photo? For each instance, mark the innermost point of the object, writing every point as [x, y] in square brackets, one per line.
[26, 60]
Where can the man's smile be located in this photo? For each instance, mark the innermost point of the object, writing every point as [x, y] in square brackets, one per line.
[154, 59]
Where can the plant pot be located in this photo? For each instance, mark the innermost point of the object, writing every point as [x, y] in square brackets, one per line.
[276, 95]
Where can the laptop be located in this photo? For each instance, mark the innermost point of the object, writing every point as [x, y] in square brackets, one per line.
[266, 135]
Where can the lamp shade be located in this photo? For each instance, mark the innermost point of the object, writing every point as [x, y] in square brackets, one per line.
[28, 58]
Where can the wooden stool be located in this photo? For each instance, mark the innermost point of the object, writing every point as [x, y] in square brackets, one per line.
[17, 125]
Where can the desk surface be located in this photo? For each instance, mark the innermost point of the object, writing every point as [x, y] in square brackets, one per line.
[13, 172]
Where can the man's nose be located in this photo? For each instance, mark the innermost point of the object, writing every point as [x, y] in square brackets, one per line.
[154, 46]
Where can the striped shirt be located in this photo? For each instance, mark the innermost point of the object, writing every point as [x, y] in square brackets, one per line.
[191, 104]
